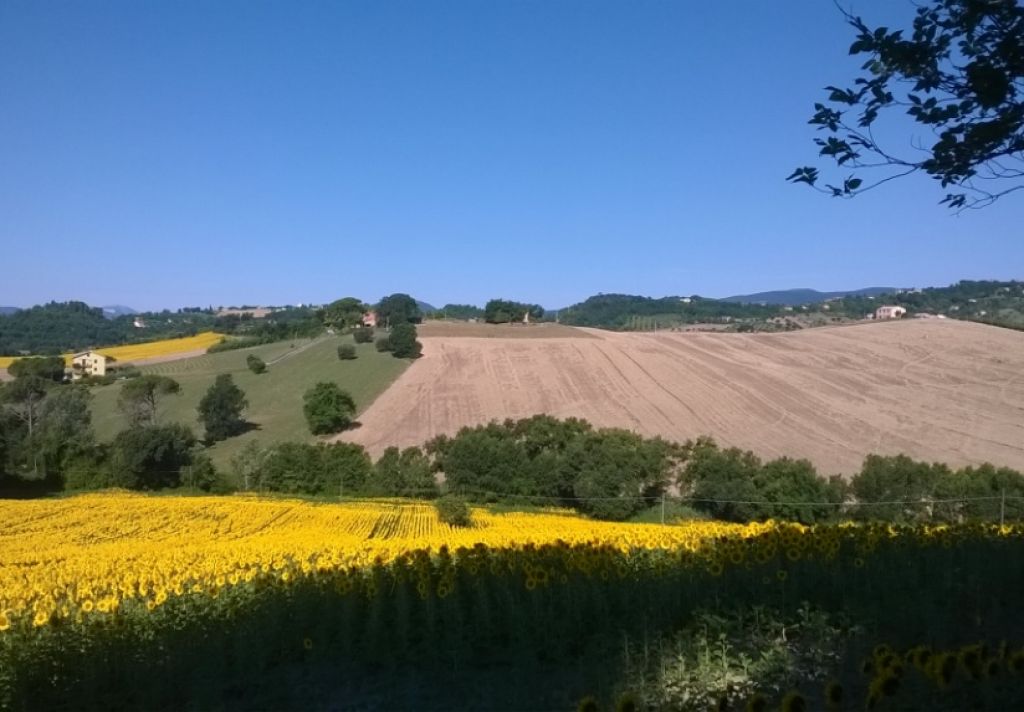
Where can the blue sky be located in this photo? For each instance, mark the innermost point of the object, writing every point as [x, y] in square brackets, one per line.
[194, 153]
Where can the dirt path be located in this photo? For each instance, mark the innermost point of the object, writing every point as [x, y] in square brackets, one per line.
[936, 390]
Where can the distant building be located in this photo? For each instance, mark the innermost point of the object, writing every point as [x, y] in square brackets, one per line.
[88, 363]
[370, 319]
[138, 323]
[889, 312]
[686, 300]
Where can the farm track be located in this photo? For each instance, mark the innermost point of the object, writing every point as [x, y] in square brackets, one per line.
[936, 390]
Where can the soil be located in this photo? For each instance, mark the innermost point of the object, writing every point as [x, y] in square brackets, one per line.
[948, 391]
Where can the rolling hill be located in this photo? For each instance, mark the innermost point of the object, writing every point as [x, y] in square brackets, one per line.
[799, 297]
[937, 390]
[275, 398]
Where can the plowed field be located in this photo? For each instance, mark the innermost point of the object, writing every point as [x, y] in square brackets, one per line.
[946, 390]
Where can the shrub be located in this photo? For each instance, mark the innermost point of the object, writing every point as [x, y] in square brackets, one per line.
[383, 344]
[363, 334]
[255, 364]
[328, 409]
[403, 341]
[346, 352]
[453, 511]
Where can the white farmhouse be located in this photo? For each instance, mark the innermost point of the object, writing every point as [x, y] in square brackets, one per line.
[88, 363]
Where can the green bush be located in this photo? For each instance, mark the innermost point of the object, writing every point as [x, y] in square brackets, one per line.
[363, 334]
[403, 341]
[383, 344]
[346, 352]
[255, 364]
[453, 510]
[328, 409]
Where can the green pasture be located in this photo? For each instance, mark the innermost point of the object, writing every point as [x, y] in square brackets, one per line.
[275, 397]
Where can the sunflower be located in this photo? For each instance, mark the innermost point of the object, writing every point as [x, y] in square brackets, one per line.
[307, 643]
[1016, 664]
[834, 694]
[757, 703]
[5, 621]
[794, 702]
[781, 575]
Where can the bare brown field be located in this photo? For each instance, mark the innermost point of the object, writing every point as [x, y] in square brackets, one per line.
[453, 329]
[946, 391]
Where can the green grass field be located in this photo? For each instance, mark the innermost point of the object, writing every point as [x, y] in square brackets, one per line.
[275, 397]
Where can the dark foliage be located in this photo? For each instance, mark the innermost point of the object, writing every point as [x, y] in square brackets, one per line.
[346, 352]
[959, 74]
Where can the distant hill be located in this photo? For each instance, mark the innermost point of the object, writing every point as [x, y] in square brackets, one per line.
[116, 310]
[4, 311]
[798, 297]
[425, 308]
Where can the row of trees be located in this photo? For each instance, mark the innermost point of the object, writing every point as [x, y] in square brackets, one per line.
[502, 311]
[608, 473]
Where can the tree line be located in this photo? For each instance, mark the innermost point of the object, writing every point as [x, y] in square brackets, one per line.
[605, 473]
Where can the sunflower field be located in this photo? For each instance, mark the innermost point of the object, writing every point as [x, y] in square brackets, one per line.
[122, 600]
[146, 350]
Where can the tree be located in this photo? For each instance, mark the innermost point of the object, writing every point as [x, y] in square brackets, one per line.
[151, 457]
[403, 341]
[65, 430]
[723, 482]
[220, 410]
[397, 309]
[346, 352]
[338, 468]
[248, 464]
[49, 368]
[383, 344]
[795, 492]
[256, 364]
[23, 398]
[960, 75]
[343, 313]
[140, 396]
[404, 473]
[897, 488]
[328, 409]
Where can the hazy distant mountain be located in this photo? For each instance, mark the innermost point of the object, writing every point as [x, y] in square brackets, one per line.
[796, 297]
[116, 310]
[4, 311]
[425, 308]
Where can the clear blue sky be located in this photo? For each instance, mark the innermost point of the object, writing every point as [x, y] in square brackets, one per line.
[190, 153]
